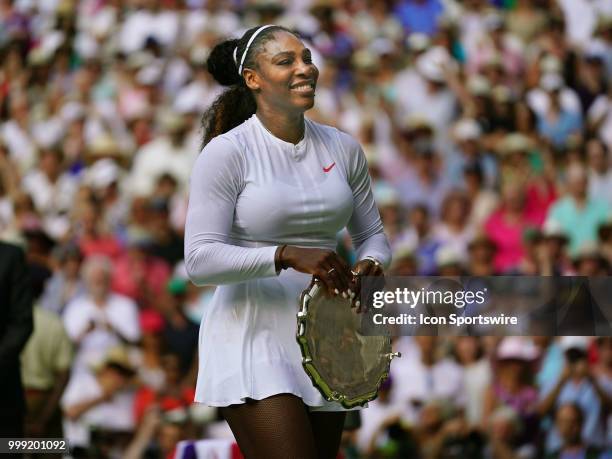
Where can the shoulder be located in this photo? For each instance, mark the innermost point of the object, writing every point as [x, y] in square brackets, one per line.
[324, 132]
[10, 252]
[226, 146]
[50, 319]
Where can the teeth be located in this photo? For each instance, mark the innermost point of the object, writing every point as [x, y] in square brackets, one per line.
[303, 87]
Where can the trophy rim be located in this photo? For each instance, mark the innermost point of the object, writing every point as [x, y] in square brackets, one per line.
[311, 370]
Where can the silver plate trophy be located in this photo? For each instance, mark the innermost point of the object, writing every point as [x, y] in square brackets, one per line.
[346, 366]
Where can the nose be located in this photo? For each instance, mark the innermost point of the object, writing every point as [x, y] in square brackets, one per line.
[307, 69]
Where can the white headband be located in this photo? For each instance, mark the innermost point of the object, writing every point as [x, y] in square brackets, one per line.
[246, 50]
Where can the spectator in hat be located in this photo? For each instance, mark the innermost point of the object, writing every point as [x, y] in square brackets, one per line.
[100, 319]
[404, 262]
[481, 256]
[588, 261]
[513, 386]
[100, 400]
[513, 155]
[450, 261]
[569, 421]
[467, 135]
[577, 384]
[545, 252]
[391, 212]
[557, 124]
[578, 213]
[105, 177]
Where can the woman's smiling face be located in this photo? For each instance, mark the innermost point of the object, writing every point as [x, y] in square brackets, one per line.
[285, 76]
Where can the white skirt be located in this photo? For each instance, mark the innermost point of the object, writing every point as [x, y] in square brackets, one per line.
[248, 347]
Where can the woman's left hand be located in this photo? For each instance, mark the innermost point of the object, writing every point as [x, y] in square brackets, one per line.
[365, 267]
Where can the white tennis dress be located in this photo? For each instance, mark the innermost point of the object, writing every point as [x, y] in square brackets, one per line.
[249, 193]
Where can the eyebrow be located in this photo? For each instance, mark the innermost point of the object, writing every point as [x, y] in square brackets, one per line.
[290, 53]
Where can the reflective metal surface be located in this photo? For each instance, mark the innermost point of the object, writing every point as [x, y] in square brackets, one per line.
[343, 364]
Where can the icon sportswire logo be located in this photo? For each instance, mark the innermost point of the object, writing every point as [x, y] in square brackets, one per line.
[330, 167]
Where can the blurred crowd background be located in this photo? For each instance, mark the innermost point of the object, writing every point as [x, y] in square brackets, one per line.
[487, 125]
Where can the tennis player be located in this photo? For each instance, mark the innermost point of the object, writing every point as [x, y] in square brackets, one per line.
[268, 194]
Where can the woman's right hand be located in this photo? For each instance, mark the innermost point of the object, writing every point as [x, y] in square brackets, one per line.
[325, 264]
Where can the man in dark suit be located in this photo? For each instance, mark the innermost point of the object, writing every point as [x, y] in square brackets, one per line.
[15, 329]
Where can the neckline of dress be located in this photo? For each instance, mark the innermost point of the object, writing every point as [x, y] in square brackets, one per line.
[281, 141]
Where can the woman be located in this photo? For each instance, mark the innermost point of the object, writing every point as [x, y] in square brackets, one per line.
[454, 229]
[513, 384]
[505, 226]
[268, 194]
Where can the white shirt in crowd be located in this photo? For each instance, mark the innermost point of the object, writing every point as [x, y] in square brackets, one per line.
[116, 414]
[414, 384]
[117, 319]
[50, 197]
[158, 157]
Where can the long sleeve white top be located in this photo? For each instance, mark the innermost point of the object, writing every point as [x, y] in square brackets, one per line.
[249, 193]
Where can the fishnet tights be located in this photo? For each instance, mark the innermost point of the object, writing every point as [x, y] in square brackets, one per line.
[282, 427]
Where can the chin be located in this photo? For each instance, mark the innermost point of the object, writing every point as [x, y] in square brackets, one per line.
[304, 105]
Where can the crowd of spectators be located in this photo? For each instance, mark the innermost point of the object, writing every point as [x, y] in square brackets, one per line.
[487, 125]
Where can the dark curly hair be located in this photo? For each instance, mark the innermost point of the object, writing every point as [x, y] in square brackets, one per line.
[236, 104]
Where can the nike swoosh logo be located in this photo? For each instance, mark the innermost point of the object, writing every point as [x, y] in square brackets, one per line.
[329, 168]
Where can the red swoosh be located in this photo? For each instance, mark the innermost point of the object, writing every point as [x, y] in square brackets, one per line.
[329, 168]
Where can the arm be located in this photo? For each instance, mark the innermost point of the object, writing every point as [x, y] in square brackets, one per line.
[52, 402]
[365, 226]
[144, 434]
[19, 317]
[490, 402]
[548, 402]
[75, 411]
[126, 325]
[216, 182]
